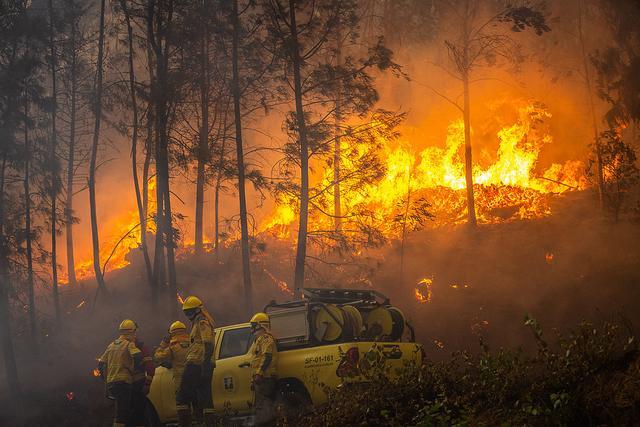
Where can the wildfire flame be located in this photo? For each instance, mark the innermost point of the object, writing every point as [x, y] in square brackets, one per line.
[507, 188]
[548, 257]
[423, 291]
[282, 285]
[96, 372]
[179, 298]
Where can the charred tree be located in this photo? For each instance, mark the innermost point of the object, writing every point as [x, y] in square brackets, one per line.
[244, 227]
[68, 208]
[203, 137]
[53, 162]
[94, 156]
[134, 143]
[297, 64]
[33, 327]
[11, 368]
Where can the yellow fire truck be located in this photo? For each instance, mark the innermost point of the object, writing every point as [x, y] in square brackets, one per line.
[328, 338]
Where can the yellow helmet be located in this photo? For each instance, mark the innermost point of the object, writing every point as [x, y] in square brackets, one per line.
[261, 319]
[192, 302]
[128, 325]
[175, 326]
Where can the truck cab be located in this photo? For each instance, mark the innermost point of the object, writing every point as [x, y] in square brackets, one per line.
[325, 340]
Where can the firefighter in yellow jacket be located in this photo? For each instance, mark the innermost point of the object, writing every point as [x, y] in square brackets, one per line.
[116, 366]
[173, 350]
[195, 385]
[264, 355]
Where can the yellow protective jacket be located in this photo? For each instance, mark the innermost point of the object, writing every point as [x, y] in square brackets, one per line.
[264, 355]
[202, 334]
[174, 353]
[117, 362]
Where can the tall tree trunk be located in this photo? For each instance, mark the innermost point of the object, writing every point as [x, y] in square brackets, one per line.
[203, 145]
[301, 251]
[54, 171]
[162, 149]
[592, 110]
[94, 155]
[337, 155]
[10, 366]
[68, 209]
[33, 326]
[468, 161]
[244, 227]
[134, 145]
[152, 140]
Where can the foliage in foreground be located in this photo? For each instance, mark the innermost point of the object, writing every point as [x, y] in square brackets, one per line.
[590, 377]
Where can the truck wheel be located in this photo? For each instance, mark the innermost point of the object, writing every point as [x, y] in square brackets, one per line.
[293, 400]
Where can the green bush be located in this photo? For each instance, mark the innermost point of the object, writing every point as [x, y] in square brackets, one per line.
[590, 377]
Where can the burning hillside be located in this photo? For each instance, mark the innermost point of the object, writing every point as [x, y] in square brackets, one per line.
[509, 182]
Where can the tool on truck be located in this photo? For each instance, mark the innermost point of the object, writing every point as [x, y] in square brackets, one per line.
[325, 339]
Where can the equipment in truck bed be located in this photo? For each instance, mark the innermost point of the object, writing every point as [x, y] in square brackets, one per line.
[327, 316]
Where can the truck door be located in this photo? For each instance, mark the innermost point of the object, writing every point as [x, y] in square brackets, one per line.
[232, 384]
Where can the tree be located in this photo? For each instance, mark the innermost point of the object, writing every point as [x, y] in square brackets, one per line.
[97, 268]
[142, 211]
[481, 42]
[53, 163]
[302, 34]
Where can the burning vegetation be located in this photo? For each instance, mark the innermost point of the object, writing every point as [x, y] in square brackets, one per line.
[474, 160]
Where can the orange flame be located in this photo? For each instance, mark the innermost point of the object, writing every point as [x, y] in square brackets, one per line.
[423, 291]
[179, 298]
[548, 257]
[96, 372]
[282, 285]
[509, 187]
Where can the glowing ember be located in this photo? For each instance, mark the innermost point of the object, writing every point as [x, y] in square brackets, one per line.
[80, 305]
[70, 395]
[439, 344]
[423, 290]
[179, 298]
[548, 257]
[96, 372]
[282, 285]
[457, 286]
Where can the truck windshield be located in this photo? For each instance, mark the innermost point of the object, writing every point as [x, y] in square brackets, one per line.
[235, 342]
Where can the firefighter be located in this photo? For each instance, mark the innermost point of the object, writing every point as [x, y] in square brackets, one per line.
[142, 378]
[264, 355]
[116, 366]
[173, 350]
[195, 385]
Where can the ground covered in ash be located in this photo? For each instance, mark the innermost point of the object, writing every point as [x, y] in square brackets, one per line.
[559, 270]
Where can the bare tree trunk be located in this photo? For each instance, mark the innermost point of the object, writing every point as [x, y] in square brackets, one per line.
[244, 227]
[468, 162]
[596, 137]
[33, 326]
[152, 138]
[10, 366]
[203, 146]
[301, 251]
[134, 146]
[54, 171]
[162, 150]
[68, 209]
[337, 155]
[94, 155]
